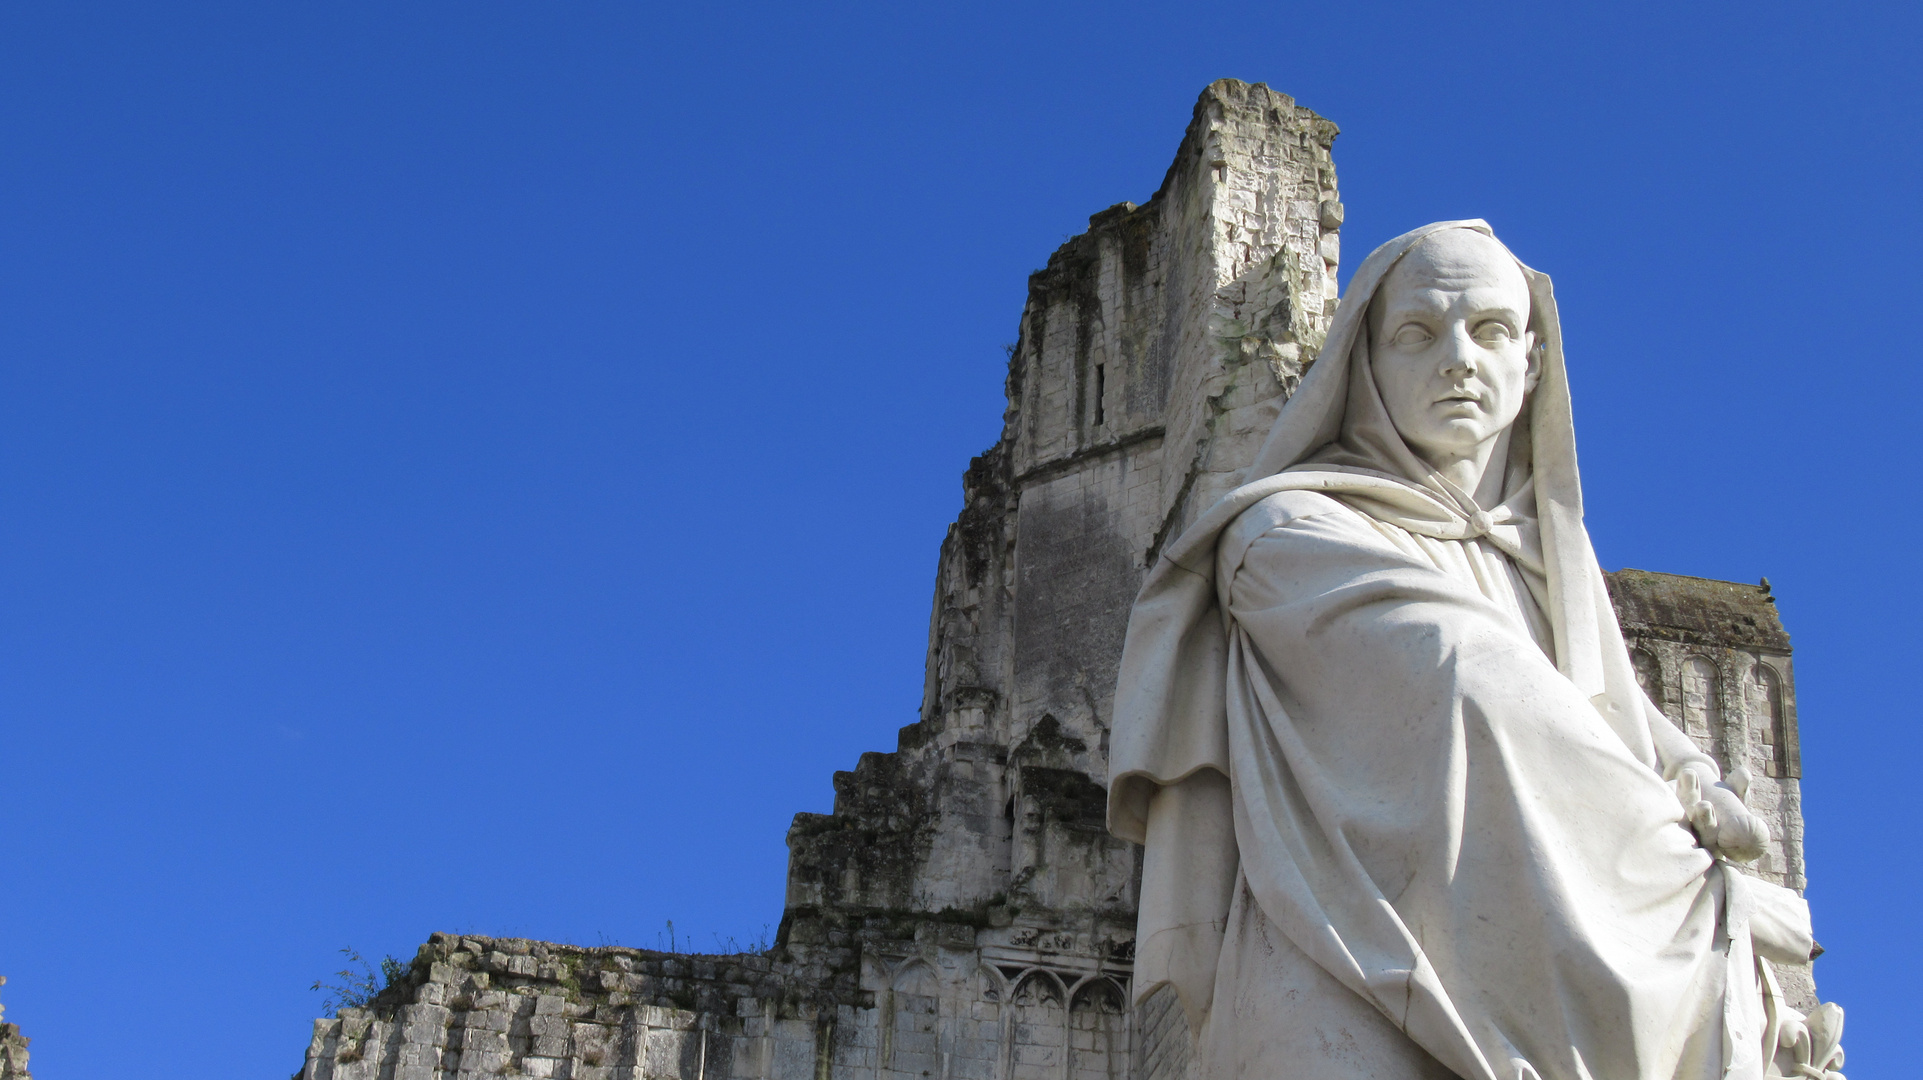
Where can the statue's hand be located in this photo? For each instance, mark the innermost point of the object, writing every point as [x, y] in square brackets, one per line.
[1716, 811]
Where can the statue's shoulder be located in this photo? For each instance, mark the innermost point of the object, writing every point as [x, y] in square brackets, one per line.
[1278, 511]
[1275, 512]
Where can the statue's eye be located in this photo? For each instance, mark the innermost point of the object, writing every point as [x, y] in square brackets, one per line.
[1413, 335]
[1494, 333]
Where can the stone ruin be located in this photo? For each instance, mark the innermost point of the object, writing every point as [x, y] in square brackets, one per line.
[963, 913]
[13, 1049]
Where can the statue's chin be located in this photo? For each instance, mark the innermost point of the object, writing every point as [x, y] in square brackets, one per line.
[1453, 439]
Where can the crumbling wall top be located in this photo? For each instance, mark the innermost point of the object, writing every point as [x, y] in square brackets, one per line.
[1697, 610]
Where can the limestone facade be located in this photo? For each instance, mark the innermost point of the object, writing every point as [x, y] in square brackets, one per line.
[963, 914]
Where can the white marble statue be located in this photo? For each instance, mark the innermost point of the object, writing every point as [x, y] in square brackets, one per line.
[1407, 812]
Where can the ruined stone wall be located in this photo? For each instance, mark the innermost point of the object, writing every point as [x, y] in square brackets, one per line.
[13, 1049]
[482, 1007]
[13, 1053]
[1154, 352]
[963, 913]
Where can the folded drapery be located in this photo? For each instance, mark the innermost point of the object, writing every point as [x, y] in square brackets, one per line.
[1470, 830]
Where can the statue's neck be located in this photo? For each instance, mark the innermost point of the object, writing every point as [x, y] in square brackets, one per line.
[1481, 472]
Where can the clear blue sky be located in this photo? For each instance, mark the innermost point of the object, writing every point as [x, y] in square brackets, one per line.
[479, 466]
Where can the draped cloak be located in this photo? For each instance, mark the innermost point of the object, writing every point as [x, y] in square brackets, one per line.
[1397, 780]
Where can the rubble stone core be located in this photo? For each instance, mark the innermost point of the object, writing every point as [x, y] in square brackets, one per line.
[963, 913]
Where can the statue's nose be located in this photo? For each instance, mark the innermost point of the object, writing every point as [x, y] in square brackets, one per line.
[1459, 352]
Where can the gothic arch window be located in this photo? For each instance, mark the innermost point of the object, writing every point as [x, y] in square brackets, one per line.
[1703, 706]
[990, 985]
[1036, 1025]
[1098, 1031]
[911, 1050]
[1771, 719]
[974, 1037]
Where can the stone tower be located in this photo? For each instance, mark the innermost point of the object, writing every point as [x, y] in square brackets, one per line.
[963, 913]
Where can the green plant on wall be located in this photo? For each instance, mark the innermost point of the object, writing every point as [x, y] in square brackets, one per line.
[358, 982]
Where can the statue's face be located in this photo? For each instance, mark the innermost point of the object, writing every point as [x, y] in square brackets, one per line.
[1453, 357]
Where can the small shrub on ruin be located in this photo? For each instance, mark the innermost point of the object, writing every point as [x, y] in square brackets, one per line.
[356, 988]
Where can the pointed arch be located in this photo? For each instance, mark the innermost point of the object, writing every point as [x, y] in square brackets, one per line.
[1098, 1031]
[991, 984]
[973, 1035]
[914, 1022]
[916, 977]
[1035, 1024]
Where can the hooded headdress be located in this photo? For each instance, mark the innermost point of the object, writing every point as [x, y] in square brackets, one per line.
[1334, 436]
